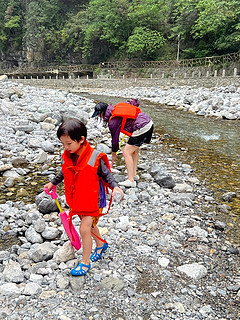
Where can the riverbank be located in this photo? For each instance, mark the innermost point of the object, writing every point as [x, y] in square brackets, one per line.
[209, 97]
[88, 85]
[167, 257]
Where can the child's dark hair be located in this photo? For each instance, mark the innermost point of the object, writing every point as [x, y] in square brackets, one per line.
[73, 128]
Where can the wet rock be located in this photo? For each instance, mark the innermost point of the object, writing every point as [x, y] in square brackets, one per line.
[9, 182]
[219, 225]
[224, 208]
[229, 195]
[5, 167]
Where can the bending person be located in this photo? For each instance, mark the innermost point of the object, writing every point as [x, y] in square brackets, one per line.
[127, 118]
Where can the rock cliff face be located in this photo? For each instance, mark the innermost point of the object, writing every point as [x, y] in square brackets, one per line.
[39, 56]
[12, 59]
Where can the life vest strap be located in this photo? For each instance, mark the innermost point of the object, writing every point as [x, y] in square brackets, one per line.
[99, 238]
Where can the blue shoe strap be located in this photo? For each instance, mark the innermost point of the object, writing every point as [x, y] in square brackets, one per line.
[82, 265]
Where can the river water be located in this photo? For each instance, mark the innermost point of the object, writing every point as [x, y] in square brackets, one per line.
[210, 146]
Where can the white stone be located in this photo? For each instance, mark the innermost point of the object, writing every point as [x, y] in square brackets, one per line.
[13, 272]
[197, 232]
[193, 270]
[144, 249]
[65, 253]
[163, 262]
[9, 289]
[183, 187]
[31, 289]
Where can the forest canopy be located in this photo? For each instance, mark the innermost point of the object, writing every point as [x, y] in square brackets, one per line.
[91, 31]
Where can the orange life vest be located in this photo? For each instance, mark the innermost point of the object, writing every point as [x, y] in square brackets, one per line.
[126, 111]
[82, 181]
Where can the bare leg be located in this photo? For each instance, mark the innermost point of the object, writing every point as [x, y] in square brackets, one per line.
[129, 160]
[101, 246]
[95, 231]
[135, 161]
[85, 231]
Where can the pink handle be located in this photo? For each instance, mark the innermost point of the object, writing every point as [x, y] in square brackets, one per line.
[53, 194]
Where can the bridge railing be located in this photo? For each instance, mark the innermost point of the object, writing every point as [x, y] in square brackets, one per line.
[207, 62]
[174, 64]
[50, 69]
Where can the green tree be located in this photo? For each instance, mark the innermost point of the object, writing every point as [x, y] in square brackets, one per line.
[108, 23]
[43, 19]
[207, 27]
[151, 14]
[11, 25]
[145, 43]
[3, 36]
[151, 28]
[219, 20]
[113, 26]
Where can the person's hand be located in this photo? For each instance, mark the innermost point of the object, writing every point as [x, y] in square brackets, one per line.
[114, 157]
[48, 186]
[117, 189]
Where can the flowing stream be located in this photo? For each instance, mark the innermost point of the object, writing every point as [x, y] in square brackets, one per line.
[210, 146]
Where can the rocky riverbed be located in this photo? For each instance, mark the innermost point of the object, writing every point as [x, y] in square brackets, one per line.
[220, 102]
[208, 97]
[167, 257]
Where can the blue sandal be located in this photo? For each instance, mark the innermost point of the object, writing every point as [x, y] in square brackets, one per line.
[79, 271]
[95, 256]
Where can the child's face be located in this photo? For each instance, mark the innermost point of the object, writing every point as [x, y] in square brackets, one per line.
[70, 145]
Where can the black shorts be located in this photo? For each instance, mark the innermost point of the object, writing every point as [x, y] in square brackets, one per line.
[143, 138]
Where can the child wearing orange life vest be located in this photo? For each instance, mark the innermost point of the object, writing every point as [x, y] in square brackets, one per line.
[127, 118]
[82, 170]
